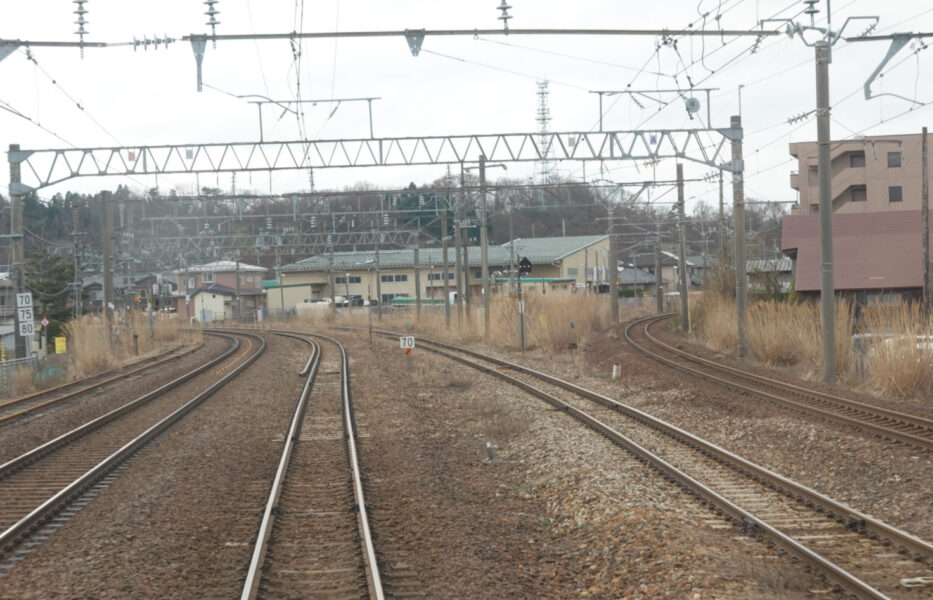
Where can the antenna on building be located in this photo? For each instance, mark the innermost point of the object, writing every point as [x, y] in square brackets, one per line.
[544, 138]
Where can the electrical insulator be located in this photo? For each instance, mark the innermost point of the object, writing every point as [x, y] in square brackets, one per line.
[212, 17]
[313, 220]
[385, 219]
[81, 22]
[505, 16]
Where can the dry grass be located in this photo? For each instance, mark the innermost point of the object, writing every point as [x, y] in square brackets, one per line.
[777, 333]
[714, 323]
[24, 380]
[899, 362]
[553, 322]
[93, 350]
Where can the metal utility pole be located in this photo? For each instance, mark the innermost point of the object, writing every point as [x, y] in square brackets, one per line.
[107, 245]
[925, 227]
[446, 268]
[484, 250]
[682, 250]
[738, 214]
[827, 289]
[16, 232]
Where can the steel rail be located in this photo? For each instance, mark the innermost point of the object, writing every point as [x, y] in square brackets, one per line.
[860, 407]
[904, 542]
[160, 359]
[918, 548]
[254, 572]
[349, 419]
[38, 452]
[36, 517]
[706, 495]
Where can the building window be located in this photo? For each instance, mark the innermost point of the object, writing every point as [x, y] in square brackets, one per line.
[477, 274]
[857, 159]
[387, 298]
[859, 194]
[343, 280]
[391, 278]
[571, 271]
[894, 159]
[895, 194]
[207, 277]
[440, 276]
[189, 284]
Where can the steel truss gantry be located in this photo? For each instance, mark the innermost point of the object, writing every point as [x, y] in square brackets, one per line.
[42, 168]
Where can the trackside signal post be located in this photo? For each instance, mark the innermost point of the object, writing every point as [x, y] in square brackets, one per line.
[524, 268]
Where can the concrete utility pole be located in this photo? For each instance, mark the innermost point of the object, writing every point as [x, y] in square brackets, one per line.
[722, 223]
[925, 227]
[458, 261]
[239, 300]
[466, 272]
[658, 279]
[446, 268]
[331, 283]
[417, 280]
[824, 174]
[484, 249]
[682, 251]
[107, 245]
[16, 231]
[613, 268]
[738, 213]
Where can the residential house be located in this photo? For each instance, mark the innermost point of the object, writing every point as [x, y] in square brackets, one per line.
[220, 291]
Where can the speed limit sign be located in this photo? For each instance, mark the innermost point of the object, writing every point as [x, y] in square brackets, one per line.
[406, 342]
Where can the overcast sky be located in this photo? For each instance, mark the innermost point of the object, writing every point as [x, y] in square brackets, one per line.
[456, 86]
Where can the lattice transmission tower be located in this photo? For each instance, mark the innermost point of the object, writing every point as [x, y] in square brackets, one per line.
[543, 168]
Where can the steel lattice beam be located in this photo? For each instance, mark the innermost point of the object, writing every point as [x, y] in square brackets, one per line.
[41, 168]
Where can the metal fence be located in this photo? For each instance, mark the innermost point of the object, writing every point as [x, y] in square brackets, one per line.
[8, 370]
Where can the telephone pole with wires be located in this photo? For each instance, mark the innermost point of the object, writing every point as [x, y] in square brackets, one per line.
[822, 45]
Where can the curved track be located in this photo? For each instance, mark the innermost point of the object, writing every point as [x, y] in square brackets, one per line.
[853, 552]
[893, 425]
[48, 480]
[315, 540]
[13, 410]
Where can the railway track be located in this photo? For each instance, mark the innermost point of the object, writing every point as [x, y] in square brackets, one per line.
[902, 427]
[44, 487]
[853, 552]
[314, 540]
[15, 410]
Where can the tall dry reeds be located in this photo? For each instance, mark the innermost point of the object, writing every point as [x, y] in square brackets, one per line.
[899, 350]
[778, 333]
[94, 347]
[553, 322]
[714, 323]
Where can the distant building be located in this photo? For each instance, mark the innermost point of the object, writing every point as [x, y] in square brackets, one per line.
[869, 174]
[559, 264]
[876, 188]
[219, 291]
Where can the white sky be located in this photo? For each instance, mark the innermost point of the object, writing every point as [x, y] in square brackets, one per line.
[149, 97]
